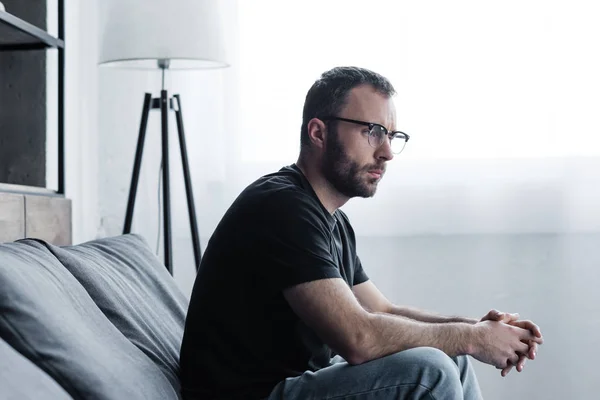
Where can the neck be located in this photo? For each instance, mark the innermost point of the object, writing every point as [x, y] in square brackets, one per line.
[327, 194]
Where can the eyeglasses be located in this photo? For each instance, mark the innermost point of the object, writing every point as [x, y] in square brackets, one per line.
[377, 134]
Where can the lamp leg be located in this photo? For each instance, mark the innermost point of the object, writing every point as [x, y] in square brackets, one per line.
[188, 185]
[164, 114]
[137, 163]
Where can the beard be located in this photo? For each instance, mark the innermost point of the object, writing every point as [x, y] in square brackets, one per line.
[346, 175]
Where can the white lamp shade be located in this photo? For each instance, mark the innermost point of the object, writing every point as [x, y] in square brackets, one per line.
[187, 33]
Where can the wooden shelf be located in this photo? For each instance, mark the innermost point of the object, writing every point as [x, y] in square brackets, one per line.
[16, 34]
[28, 190]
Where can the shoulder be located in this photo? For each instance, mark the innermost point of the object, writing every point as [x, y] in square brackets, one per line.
[295, 209]
[279, 205]
[285, 192]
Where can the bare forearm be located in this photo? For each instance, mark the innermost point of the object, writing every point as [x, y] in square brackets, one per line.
[426, 316]
[388, 334]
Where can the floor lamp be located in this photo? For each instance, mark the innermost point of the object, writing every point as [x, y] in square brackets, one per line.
[155, 34]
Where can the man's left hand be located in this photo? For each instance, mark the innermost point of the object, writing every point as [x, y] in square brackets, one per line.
[513, 319]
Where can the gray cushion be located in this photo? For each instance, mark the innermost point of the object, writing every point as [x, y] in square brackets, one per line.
[134, 290]
[20, 379]
[46, 315]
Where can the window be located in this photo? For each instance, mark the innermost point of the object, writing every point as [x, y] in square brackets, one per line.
[474, 79]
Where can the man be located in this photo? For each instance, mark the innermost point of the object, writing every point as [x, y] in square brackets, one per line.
[281, 290]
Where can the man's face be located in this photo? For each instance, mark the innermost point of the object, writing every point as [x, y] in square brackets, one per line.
[350, 163]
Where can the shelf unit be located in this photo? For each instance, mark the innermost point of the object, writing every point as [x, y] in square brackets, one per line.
[19, 35]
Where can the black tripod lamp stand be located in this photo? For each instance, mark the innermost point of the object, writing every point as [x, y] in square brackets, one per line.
[179, 34]
[165, 103]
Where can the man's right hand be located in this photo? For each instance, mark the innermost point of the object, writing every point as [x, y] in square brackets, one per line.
[500, 344]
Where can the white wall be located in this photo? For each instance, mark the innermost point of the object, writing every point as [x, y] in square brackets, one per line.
[549, 278]
[81, 113]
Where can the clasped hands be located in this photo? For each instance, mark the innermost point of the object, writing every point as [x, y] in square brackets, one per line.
[513, 319]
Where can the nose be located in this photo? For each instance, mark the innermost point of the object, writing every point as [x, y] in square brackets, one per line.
[384, 152]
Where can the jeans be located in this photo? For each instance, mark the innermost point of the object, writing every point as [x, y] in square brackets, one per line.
[419, 373]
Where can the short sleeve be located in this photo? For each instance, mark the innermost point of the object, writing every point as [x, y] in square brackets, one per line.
[293, 240]
[360, 276]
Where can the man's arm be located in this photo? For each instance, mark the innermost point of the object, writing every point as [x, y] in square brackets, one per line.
[373, 300]
[329, 307]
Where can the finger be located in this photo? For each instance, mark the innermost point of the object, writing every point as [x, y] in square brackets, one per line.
[521, 363]
[513, 359]
[525, 335]
[530, 326]
[495, 315]
[492, 315]
[506, 370]
[537, 339]
[511, 317]
[533, 346]
[523, 348]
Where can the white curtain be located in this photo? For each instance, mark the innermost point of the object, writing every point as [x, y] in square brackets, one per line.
[501, 100]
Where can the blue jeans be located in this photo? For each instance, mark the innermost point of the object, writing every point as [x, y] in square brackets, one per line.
[420, 373]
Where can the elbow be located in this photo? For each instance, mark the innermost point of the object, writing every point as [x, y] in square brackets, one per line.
[356, 359]
[359, 350]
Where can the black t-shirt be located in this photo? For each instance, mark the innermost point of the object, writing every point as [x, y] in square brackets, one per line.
[241, 336]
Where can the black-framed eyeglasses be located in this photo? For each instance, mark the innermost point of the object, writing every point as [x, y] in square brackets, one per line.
[377, 134]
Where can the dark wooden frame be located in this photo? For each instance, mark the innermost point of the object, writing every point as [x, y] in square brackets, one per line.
[35, 39]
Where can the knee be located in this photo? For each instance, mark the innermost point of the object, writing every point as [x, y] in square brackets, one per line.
[433, 366]
[429, 358]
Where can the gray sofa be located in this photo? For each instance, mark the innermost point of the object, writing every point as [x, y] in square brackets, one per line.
[99, 320]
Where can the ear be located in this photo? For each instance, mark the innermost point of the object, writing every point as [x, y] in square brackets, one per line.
[317, 132]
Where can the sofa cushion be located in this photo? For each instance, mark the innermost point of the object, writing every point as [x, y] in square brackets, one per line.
[134, 290]
[46, 315]
[21, 379]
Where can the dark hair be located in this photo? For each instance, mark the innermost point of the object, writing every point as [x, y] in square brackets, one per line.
[329, 93]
